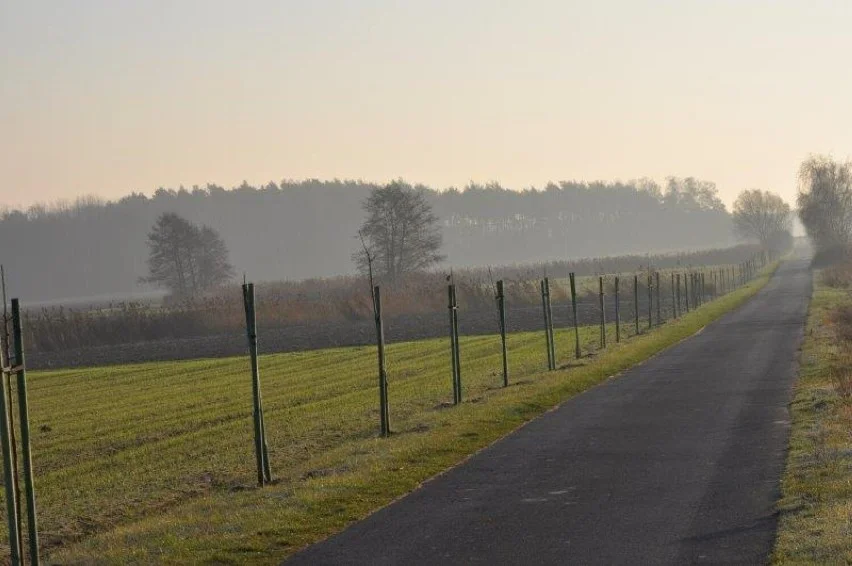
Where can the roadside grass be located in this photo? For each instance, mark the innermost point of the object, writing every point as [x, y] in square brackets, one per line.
[153, 463]
[815, 524]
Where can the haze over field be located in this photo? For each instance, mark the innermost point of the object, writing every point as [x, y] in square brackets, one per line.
[301, 230]
[109, 97]
[542, 253]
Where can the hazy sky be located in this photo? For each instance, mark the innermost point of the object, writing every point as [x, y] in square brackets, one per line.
[108, 97]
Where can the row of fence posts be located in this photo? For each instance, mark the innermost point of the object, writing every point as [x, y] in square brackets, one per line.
[689, 291]
[693, 288]
[691, 285]
[13, 363]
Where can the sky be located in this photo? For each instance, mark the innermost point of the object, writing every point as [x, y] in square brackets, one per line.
[107, 97]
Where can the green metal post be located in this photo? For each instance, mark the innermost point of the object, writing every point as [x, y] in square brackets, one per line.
[251, 331]
[5, 360]
[686, 277]
[603, 313]
[674, 304]
[657, 285]
[696, 290]
[617, 314]
[650, 302]
[697, 287]
[543, 286]
[678, 310]
[501, 307]
[453, 358]
[692, 294]
[636, 301]
[574, 310]
[458, 348]
[384, 412]
[550, 323]
[24, 416]
[12, 516]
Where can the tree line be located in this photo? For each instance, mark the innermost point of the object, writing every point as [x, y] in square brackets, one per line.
[296, 230]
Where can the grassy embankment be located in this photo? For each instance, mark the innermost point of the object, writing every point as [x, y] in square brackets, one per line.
[816, 508]
[154, 463]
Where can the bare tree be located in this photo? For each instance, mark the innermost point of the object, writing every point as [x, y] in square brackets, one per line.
[825, 203]
[184, 258]
[401, 232]
[762, 216]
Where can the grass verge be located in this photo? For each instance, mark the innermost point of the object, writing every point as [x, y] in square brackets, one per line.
[815, 524]
[153, 463]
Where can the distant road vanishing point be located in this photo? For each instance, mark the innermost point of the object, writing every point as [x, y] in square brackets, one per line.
[677, 461]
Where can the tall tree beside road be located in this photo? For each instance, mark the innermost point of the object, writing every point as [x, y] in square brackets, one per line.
[401, 232]
[825, 203]
[762, 216]
[184, 258]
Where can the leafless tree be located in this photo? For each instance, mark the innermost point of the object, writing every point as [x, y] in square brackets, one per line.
[825, 203]
[401, 232]
[762, 216]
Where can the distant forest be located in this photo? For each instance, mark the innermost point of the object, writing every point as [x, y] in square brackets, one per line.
[298, 230]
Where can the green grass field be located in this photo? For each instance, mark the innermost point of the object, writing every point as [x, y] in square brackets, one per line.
[816, 509]
[154, 463]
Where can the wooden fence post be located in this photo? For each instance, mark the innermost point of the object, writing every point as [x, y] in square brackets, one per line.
[636, 301]
[453, 358]
[574, 309]
[261, 450]
[24, 417]
[603, 313]
[384, 413]
[617, 314]
[550, 324]
[9, 475]
[696, 290]
[696, 287]
[659, 310]
[674, 304]
[454, 343]
[458, 347]
[650, 301]
[501, 307]
[546, 323]
[678, 309]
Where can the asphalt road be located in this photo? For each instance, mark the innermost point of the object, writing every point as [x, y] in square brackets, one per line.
[677, 461]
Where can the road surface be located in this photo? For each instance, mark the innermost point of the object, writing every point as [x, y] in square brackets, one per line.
[677, 461]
